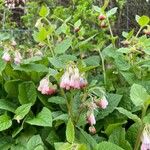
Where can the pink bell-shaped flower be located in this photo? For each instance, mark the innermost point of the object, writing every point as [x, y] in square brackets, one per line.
[6, 57]
[91, 119]
[17, 58]
[46, 87]
[145, 138]
[102, 103]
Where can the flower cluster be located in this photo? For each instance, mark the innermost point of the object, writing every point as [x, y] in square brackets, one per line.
[145, 138]
[17, 57]
[46, 87]
[101, 103]
[72, 79]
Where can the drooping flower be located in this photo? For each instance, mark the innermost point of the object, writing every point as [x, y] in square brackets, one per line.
[72, 79]
[92, 129]
[91, 119]
[46, 87]
[6, 57]
[102, 103]
[145, 138]
[17, 58]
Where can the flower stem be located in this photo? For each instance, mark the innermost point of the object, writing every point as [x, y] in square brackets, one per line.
[103, 67]
[139, 32]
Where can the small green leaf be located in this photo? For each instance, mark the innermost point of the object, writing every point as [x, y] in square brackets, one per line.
[7, 105]
[44, 12]
[96, 8]
[124, 50]
[77, 24]
[146, 119]
[41, 35]
[44, 118]
[27, 92]
[3, 65]
[5, 122]
[143, 21]
[70, 133]
[129, 114]
[138, 95]
[22, 111]
[111, 12]
[32, 68]
[11, 87]
[118, 137]
[63, 46]
[57, 100]
[34, 142]
[107, 146]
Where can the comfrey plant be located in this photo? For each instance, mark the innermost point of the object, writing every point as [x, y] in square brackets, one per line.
[74, 89]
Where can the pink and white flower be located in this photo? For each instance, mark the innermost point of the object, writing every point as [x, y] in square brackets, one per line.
[6, 57]
[17, 58]
[145, 138]
[102, 103]
[72, 79]
[91, 119]
[46, 87]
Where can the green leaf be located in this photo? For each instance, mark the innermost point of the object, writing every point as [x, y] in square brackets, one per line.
[107, 146]
[22, 111]
[146, 119]
[56, 62]
[112, 127]
[63, 146]
[5, 122]
[7, 105]
[85, 41]
[57, 100]
[27, 93]
[96, 8]
[132, 133]
[124, 50]
[129, 114]
[11, 87]
[118, 137]
[111, 12]
[44, 118]
[4, 36]
[34, 142]
[32, 67]
[3, 65]
[138, 95]
[44, 12]
[143, 21]
[70, 133]
[121, 63]
[63, 46]
[41, 35]
[77, 24]
[113, 101]
[88, 139]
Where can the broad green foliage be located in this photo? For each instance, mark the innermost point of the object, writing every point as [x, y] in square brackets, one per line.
[68, 82]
